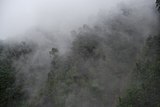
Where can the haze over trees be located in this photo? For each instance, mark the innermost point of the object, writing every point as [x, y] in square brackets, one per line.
[114, 63]
[144, 91]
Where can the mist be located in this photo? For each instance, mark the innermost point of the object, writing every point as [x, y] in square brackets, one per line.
[95, 43]
[58, 16]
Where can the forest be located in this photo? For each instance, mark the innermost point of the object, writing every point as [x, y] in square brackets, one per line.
[112, 64]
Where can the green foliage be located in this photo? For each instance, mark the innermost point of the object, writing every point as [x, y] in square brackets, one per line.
[11, 94]
[147, 78]
[83, 76]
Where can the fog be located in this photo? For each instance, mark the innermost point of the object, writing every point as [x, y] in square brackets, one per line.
[98, 39]
[58, 16]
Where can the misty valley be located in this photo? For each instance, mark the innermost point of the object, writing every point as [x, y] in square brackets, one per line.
[114, 62]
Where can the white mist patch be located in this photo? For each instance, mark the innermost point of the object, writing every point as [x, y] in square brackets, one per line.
[16, 17]
[19, 16]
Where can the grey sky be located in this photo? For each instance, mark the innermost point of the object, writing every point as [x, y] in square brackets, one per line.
[19, 16]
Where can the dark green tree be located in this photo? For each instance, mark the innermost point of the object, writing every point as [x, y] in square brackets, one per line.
[158, 4]
[146, 88]
[11, 94]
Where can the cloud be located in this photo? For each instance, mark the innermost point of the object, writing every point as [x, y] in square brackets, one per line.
[19, 16]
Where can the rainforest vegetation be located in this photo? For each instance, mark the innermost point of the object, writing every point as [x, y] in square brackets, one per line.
[108, 65]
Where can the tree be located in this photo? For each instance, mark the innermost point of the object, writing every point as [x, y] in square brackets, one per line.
[11, 94]
[158, 4]
[146, 88]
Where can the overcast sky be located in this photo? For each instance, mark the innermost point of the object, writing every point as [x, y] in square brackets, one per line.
[19, 16]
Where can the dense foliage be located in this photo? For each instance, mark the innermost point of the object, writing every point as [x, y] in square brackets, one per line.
[11, 94]
[144, 92]
[146, 88]
[94, 72]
